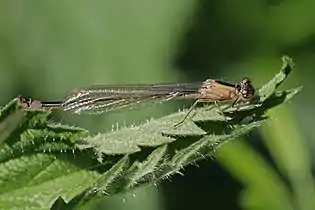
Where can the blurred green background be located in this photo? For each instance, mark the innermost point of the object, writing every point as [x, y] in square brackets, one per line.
[49, 47]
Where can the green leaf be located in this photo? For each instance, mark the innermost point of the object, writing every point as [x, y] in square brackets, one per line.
[42, 162]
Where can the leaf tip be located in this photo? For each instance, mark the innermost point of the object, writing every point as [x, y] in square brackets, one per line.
[287, 64]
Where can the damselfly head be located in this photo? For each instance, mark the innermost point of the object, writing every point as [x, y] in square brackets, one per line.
[245, 89]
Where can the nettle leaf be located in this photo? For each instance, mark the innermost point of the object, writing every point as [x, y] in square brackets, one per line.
[48, 165]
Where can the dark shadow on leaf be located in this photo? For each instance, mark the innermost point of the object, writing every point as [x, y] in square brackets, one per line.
[60, 204]
[215, 127]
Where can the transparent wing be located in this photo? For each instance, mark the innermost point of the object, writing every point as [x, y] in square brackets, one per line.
[105, 98]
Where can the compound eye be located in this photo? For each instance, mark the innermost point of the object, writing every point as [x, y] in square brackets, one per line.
[238, 88]
[246, 81]
[246, 96]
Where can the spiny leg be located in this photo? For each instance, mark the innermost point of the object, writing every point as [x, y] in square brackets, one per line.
[216, 105]
[185, 117]
[236, 103]
[221, 111]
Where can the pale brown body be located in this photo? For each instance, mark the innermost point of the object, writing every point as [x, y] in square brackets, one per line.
[104, 98]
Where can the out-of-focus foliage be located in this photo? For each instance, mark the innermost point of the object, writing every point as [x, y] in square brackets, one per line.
[49, 47]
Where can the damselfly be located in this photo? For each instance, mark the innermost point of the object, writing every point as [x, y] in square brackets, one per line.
[104, 98]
